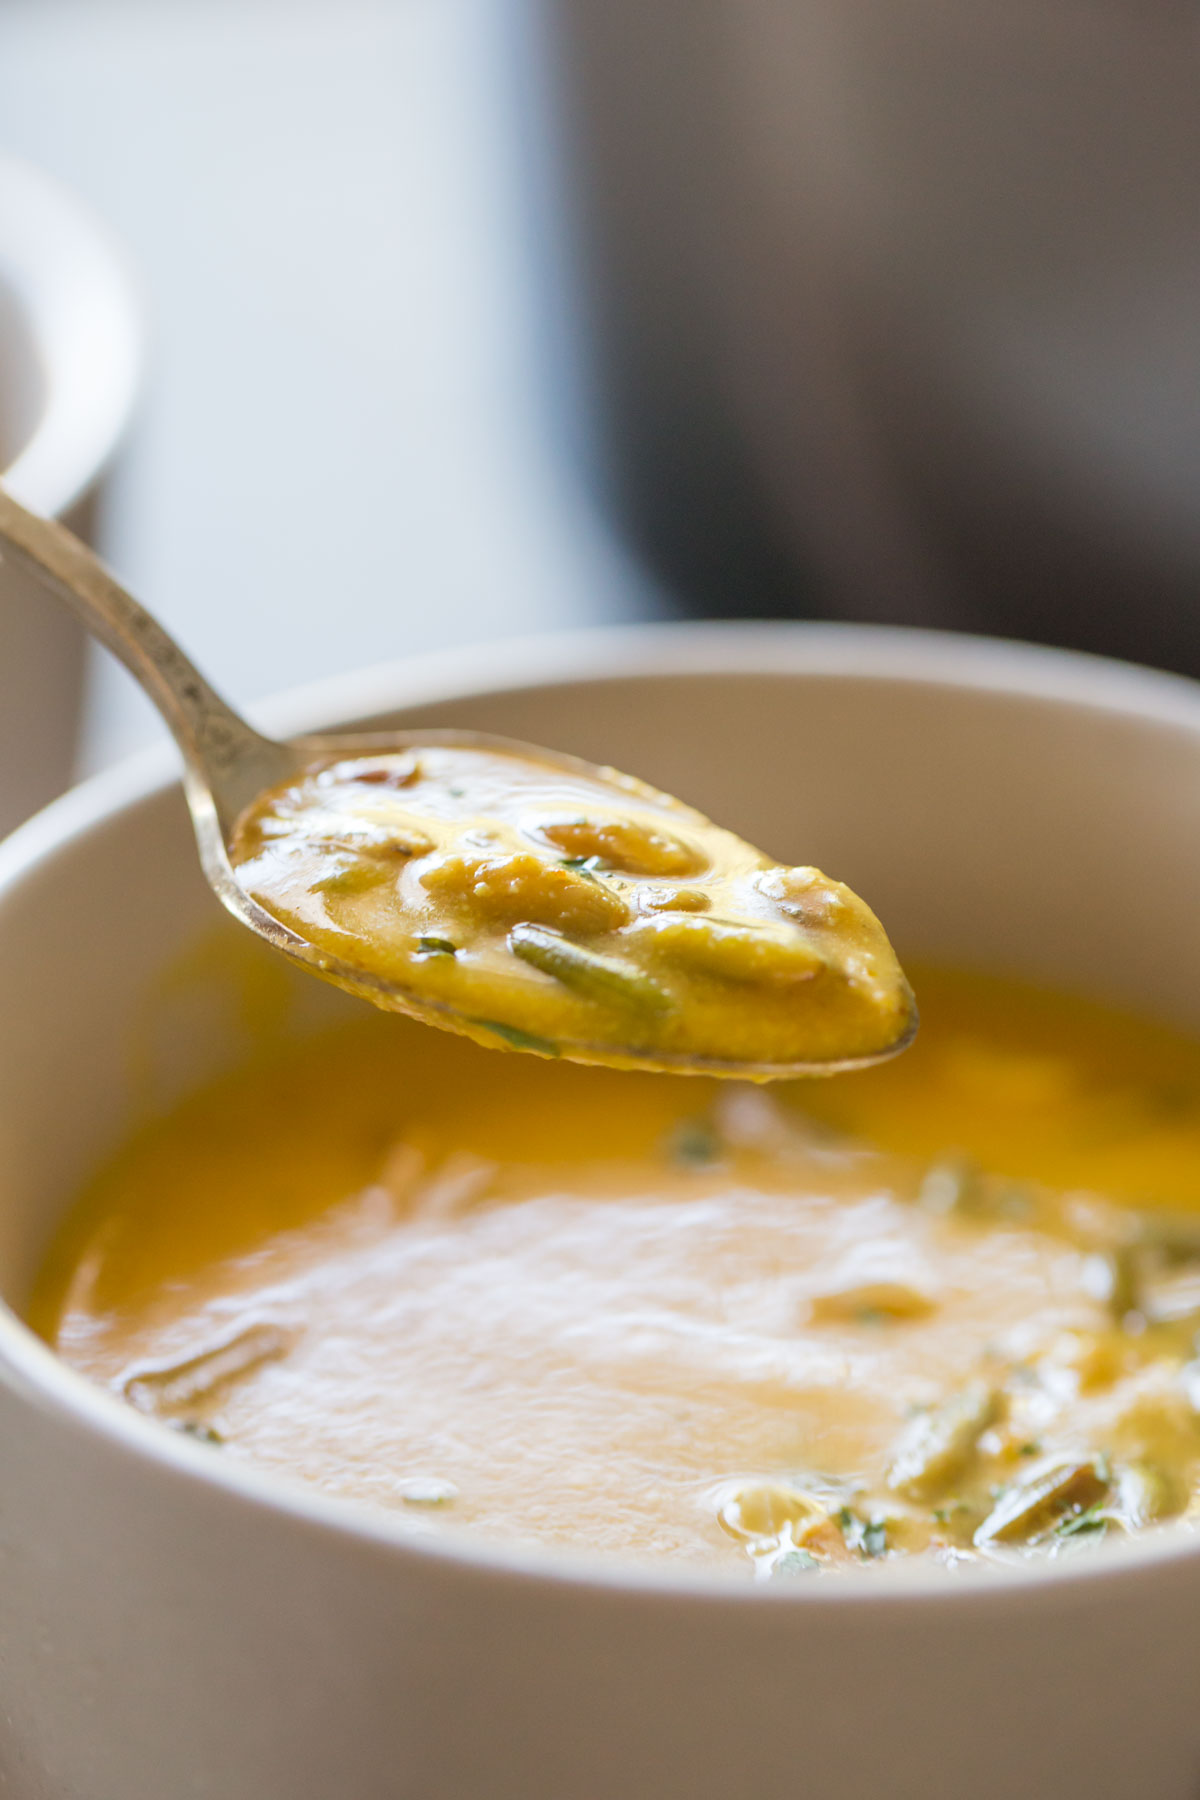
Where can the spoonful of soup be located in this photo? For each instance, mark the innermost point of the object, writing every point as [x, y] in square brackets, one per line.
[520, 896]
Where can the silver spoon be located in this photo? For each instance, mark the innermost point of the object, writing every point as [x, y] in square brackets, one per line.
[228, 765]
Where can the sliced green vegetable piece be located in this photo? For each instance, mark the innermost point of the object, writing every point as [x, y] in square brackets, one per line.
[1147, 1492]
[594, 976]
[1046, 1498]
[936, 1448]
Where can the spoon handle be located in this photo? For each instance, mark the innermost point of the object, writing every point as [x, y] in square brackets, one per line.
[217, 744]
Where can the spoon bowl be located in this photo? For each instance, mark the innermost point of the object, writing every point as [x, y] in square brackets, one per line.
[279, 762]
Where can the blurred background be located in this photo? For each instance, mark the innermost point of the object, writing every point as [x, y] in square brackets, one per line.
[464, 318]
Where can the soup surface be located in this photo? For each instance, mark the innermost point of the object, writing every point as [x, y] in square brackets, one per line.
[533, 901]
[948, 1305]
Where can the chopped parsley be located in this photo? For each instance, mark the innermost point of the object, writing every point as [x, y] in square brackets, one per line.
[874, 1538]
[794, 1562]
[1083, 1524]
[869, 1536]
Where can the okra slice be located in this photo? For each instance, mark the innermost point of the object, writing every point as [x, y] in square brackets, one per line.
[1147, 1492]
[1046, 1497]
[937, 1447]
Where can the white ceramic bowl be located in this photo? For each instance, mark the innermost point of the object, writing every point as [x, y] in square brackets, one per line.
[173, 1625]
[69, 361]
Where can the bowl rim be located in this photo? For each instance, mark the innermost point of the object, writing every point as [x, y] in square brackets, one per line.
[74, 284]
[31, 1370]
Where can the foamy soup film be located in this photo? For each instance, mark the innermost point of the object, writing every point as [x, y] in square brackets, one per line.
[947, 1306]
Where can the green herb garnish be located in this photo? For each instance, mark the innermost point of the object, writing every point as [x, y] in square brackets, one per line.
[1081, 1524]
[436, 946]
[952, 1507]
[869, 1536]
[794, 1562]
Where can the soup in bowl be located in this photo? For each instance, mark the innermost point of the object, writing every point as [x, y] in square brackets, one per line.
[428, 1419]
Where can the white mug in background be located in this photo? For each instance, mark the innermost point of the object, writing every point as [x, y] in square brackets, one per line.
[892, 310]
[69, 359]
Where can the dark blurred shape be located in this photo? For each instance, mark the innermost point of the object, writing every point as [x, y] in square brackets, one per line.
[890, 310]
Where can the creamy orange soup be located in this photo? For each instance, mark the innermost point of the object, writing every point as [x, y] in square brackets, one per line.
[948, 1306]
